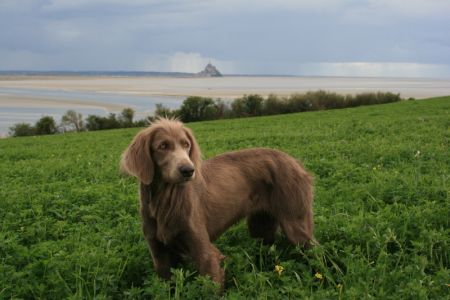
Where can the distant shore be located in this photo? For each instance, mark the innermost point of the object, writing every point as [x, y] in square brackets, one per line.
[229, 86]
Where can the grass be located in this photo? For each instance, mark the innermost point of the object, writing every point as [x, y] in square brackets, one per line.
[70, 226]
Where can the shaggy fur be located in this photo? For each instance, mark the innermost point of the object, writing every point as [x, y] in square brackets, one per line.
[186, 203]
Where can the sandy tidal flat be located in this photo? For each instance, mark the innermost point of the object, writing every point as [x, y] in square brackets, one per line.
[12, 101]
[231, 87]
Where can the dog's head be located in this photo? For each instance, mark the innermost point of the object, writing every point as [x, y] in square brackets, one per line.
[167, 148]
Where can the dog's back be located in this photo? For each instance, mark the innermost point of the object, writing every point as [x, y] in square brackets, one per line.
[255, 182]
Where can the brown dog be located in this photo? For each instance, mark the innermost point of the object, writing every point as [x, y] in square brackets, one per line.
[186, 203]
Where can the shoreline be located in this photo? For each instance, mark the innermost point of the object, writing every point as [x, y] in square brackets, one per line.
[229, 87]
[41, 102]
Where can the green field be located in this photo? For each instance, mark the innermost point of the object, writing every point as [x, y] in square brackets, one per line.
[70, 226]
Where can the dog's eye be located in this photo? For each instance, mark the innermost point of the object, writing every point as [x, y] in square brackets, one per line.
[185, 144]
[163, 146]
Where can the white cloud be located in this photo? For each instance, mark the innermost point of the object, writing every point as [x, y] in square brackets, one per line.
[194, 62]
[187, 62]
[412, 7]
[370, 69]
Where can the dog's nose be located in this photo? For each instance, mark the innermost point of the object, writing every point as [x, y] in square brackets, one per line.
[186, 171]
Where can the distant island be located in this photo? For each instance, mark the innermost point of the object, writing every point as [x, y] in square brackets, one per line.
[209, 71]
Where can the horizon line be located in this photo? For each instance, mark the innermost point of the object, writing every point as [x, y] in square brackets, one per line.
[187, 74]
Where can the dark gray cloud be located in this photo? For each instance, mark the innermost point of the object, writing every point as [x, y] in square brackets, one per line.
[364, 37]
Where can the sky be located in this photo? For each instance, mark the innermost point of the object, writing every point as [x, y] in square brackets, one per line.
[396, 38]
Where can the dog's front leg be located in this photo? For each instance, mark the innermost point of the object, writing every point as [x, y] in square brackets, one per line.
[206, 256]
[163, 258]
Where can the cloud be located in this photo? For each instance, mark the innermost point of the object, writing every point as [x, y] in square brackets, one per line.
[370, 69]
[187, 62]
[248, 37]
[413, 8]
[194, 62]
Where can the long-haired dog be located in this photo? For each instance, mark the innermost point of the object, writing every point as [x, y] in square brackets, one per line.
[186, 203]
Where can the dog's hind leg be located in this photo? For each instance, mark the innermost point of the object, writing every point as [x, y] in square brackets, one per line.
[262, 225]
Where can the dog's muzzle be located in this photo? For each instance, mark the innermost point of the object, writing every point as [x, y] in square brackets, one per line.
[186, 171]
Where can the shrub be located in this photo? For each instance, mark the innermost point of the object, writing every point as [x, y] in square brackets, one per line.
[249, 105]
[144, 122]
[45, 125]
[274, 105]
[315, 101]
[365, 99]
[375, 98]
[223, 110]
[72, 120]
[298, 103]
[389, 97]
[165, 112]
[325, 100]
[196, 108]
[111, 122]
[126, 117]
[22, 129]
[94, 122]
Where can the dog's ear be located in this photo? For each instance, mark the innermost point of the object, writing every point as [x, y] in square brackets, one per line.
[137, 160]
[194, 153]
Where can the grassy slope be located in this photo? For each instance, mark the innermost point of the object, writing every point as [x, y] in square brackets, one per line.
[70, 227]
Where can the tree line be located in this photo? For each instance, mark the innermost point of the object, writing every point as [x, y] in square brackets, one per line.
[195, 108]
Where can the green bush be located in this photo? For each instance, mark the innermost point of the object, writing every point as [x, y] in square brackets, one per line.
[143, 122]
[126, 117]
[45, 125]
[94, 122]
[162, 111]
[22, 129]
[196, 108]
[325, 100]
[374, 98]
[223, 110]
[247, 106]
[274, 105]
[298, 103]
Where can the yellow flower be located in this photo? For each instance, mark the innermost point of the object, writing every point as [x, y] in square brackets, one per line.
[318, 275]
[339, 286]
[278, 269]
